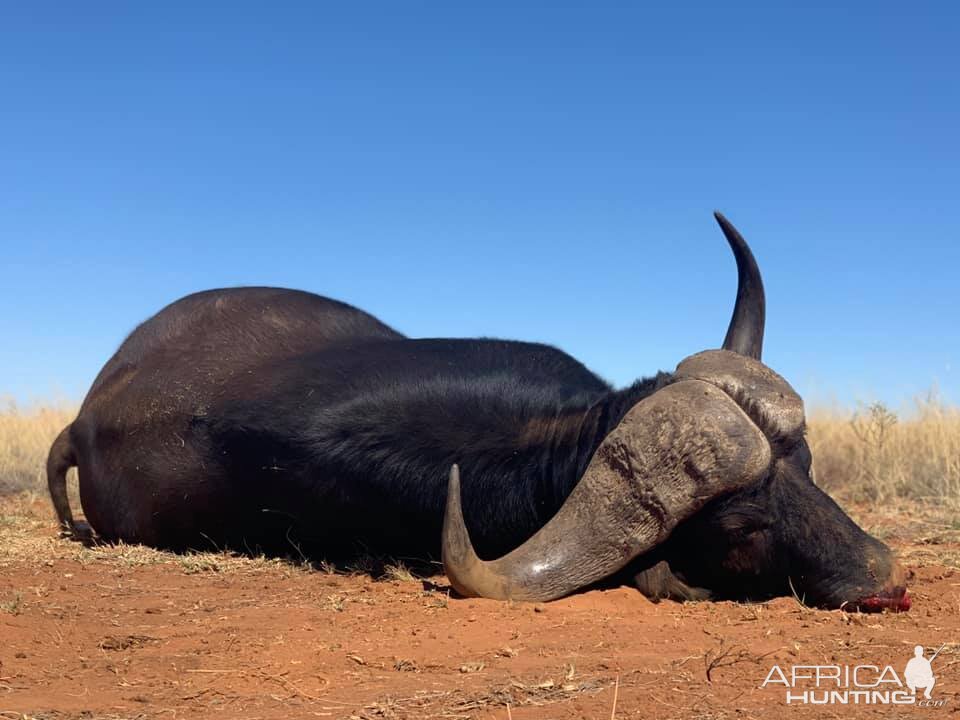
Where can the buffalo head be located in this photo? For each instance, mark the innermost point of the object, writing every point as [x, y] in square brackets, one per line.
[704, 489]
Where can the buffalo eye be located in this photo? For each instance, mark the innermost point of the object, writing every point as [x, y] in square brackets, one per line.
[738, 524]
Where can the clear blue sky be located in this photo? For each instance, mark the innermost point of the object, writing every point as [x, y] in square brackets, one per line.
[522, 170]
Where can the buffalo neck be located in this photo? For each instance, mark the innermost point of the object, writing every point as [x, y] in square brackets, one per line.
[587, 431]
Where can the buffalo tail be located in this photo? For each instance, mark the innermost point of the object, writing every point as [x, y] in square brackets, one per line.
[61, 458]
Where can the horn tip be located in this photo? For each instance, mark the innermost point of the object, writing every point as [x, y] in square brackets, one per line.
[453, 491]
[721, 219]
[730, 232]
[457, 553]
[453, 485]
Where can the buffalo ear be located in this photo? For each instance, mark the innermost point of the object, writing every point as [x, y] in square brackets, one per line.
[671, 453]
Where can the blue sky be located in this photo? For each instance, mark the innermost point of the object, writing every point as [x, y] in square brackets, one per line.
[521, 170]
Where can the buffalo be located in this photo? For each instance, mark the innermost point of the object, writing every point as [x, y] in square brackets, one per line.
[259, 418]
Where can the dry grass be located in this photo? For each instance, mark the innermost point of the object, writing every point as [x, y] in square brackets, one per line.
[876, 455]
[26, 531]
[25, 438]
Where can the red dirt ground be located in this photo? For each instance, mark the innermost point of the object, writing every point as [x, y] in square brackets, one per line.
[131, 633]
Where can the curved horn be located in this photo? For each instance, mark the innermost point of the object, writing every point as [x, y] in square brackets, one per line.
[745, 332]
[671, 453]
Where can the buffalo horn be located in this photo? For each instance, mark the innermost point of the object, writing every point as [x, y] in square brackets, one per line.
[671, 453]
[745, 332]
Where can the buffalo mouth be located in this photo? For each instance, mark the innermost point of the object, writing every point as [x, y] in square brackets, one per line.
[896, 599]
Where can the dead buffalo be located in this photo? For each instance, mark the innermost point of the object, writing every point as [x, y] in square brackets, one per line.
[258, 418]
